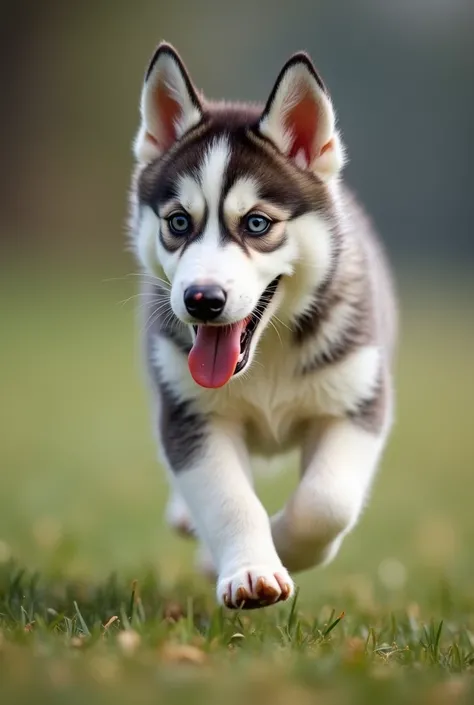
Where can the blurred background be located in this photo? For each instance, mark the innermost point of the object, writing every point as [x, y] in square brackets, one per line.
[81, 491]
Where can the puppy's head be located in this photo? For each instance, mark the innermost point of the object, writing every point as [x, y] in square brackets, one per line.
[232, 205]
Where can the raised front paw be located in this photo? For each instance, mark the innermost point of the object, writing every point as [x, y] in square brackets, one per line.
[254, 587]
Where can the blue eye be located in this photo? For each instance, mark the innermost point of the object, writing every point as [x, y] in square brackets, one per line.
[256, 224]
[179, 223]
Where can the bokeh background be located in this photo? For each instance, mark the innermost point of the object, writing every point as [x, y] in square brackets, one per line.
[81, 492]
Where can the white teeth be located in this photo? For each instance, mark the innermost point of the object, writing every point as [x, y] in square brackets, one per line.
[241, 357]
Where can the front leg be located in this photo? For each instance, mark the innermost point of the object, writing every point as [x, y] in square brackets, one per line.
[339, 461]
[209, 459]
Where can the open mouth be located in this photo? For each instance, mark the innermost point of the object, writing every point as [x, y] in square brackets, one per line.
[252, 323]
[221, 351]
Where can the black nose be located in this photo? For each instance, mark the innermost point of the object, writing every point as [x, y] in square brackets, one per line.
[205, 302]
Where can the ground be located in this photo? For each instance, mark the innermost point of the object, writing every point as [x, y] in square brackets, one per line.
[391, 620]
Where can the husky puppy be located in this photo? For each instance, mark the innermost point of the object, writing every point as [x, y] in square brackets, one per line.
[270, 320]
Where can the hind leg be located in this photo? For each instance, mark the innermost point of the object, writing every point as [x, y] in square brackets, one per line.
[179, 519]
[204, 562]
[178, 516]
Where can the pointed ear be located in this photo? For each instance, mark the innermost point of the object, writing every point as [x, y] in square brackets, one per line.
[299, 119]
[169, 105]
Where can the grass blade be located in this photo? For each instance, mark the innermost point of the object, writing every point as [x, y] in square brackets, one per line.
[84, 627]
[333, 624]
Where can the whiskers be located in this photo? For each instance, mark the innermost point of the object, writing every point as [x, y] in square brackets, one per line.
[273, 319]
[258, 314]
[157, 298]
[144, 278]
[162, 310]
[282, 323]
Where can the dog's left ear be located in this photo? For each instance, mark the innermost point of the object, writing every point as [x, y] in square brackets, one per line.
[299, 119]
[169, 106]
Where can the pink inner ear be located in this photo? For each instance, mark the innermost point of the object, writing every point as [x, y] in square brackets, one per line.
[302, 122]
[168, 110]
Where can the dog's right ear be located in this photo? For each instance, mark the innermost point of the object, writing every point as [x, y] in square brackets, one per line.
[169, 105]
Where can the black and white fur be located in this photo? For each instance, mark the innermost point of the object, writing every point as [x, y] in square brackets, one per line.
[318, 375]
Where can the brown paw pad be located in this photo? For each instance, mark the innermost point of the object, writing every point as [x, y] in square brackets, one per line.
[259, 595]
[284, 587]
[266, 592]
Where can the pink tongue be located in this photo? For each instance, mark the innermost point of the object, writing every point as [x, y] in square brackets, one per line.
[214, 355]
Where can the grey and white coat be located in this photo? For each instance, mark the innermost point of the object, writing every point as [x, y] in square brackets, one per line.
[244, 229]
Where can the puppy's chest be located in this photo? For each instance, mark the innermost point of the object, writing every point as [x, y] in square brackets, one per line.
[275, 400]
[274, 410]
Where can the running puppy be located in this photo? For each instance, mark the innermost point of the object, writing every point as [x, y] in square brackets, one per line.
[270, 320]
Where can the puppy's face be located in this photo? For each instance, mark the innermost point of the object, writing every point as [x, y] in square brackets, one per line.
[230, 200]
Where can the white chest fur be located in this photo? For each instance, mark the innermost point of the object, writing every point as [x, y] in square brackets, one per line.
[273, 399]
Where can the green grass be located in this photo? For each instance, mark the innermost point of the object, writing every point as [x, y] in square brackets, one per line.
[82, 498]
[111, 642]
